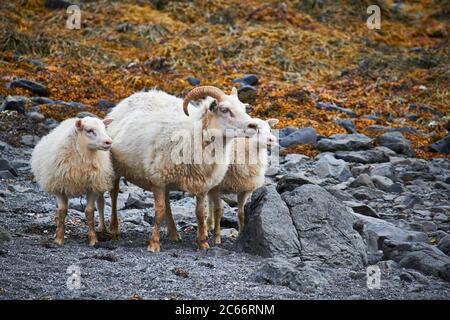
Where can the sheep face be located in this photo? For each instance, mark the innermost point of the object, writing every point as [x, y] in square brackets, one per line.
[230, 116]
[93, 131]
[264, 137]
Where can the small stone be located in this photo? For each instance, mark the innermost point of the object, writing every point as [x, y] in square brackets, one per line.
[444, 245]
[441, 146]
[328, 166]
[193, 81]
[5, 235]
[396, 187]
[103, 104]
[230, 199]
[363, 180]
[56, 4]
[36, 116]
[428, 226]
[349, 142]
[378, 154]
[348, 125]
[272, 171]
[32, 86]
[135, 202]
[180, 272]
[230, 233]
[248, 79]
[3, 145]
[124, 27]
[382, 183]
[7, 171]
[84, 114]
[332, 106]
[301, 136]
[362, 208]
[14, 103]
[440, 217]
[29, 140]
[292, 181]
[395, 141]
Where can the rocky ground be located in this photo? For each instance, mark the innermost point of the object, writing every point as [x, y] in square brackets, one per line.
[311, 232]
[364, 175]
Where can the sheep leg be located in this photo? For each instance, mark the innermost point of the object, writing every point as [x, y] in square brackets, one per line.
[101, 213]
[60, 218]
[215, 211]
[171, 226]
[242, 199]
[202, 241]
[114, 223]
[160, 203]
[90, 208]
[210, 218]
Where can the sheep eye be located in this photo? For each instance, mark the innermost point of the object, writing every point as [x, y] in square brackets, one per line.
[91, 131]
[225, 110]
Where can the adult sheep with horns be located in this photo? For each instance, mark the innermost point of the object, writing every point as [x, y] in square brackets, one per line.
[159, 152]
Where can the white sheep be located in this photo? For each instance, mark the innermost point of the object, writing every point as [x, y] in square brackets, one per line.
[245, 173]
[72, 160]
[148, 143]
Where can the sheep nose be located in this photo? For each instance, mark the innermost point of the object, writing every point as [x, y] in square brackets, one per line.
[107, 142]
[252, 125]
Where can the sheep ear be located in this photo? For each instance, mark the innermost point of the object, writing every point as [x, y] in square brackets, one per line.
[213, 106]
[234, 91]
[107, 122]
[79, 124]
[272, 122]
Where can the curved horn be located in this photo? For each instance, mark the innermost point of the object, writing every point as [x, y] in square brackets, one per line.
[201, 92]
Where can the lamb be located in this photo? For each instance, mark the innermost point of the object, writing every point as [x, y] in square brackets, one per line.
[161, 154]
[245, 174]
[72, 160]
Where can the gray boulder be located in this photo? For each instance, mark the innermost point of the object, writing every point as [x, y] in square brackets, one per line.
[363, 180]
[382, 183]
[397, 142]
[383, 169]
[444, 245]
[296, 276]
[4, 235]
[301, 136]
[291, 181]
[328, 166]
[324, 227]
[29, 85]
[420, 256]
[7, 171]
[14, 103]
[347, 142]
[269, 230]
[362, 208]
[441, 146]
[29, 140]
[376, 231]
[376, 155]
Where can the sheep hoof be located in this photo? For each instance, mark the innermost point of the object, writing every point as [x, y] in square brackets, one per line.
[59, 241]
[217, 239]
[114, 235]
[154, 247]
[175, 237]
[203, 245]
[92, 238]
[102, 230]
